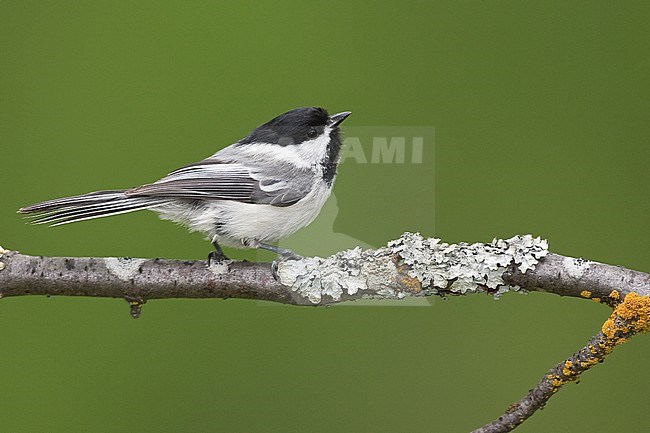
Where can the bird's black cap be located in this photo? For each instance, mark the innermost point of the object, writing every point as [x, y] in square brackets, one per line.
[294, 127]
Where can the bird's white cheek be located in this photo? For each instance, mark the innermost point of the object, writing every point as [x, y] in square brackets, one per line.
[313, 151]
[303, 155]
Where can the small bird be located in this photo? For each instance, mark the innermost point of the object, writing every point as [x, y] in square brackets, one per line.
[258, 190]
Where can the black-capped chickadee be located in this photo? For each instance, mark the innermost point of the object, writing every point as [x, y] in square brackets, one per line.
[258, 190]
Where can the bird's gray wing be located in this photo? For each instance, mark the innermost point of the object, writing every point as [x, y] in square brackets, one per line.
[228, 180]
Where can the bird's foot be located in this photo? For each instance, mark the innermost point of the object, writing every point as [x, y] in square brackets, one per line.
[216, 257]
[283, 254]
[283, 257]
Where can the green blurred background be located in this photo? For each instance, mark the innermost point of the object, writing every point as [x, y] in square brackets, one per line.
[541, 123]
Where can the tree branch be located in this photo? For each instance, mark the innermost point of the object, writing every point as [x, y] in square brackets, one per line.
[629, 318]
[408, 266]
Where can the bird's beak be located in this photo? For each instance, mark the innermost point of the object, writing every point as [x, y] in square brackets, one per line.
[336, 119]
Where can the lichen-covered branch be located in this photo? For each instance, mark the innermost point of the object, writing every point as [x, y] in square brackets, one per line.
[416, 266]
[630, 317]
[408, 266]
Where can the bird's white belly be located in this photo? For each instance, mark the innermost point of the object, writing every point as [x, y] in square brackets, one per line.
[231, 222]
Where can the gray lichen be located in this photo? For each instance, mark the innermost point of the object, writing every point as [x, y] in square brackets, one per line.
[220, 268]
[576, 267]
[468, 267]
[428, 266]
[124, 268]
[352, 272]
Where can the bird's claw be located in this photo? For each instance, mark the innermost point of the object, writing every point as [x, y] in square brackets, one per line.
[216, 257]
[282, 258]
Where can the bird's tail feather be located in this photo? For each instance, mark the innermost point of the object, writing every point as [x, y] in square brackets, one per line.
[87, 206]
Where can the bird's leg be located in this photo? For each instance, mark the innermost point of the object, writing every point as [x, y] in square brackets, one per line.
[217, 255]
[283, 255]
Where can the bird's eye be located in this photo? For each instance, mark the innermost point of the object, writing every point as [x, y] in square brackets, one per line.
[313, 133]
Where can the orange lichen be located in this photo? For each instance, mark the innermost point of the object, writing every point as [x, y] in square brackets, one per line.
[405, 281]
[557, 381]
[628, 318]
[567, 368]
[411, 284]
[589, 362]
[585, 294]
[596, 299]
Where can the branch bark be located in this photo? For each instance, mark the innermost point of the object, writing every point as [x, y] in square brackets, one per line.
[408, 266]
[630, 317]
